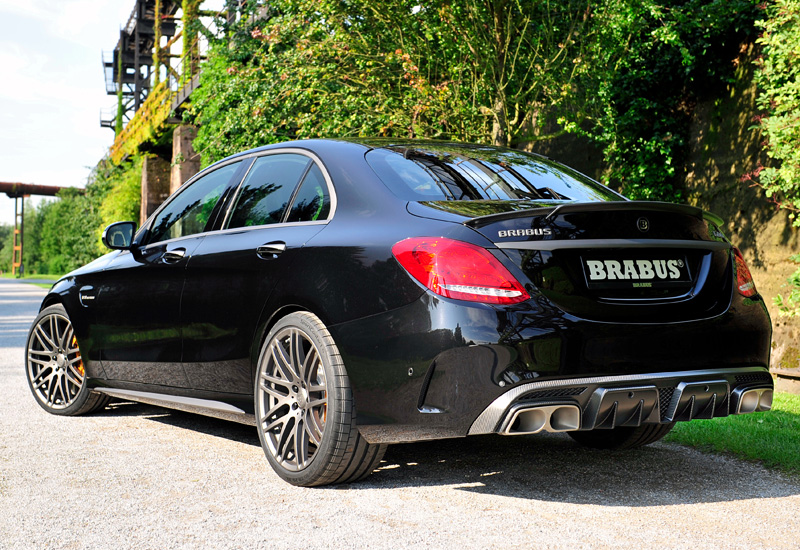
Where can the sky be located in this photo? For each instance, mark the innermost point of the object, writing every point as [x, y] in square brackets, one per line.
[52, 89]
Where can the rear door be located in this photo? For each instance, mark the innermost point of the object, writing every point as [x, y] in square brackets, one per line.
[285, 199]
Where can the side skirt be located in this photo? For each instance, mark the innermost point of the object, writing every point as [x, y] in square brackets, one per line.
[206, 407]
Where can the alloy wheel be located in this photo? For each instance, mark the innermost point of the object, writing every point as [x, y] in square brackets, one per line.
[55, 368]
[292, 400]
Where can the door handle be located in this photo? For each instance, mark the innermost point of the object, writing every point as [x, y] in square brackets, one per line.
[270, 251]
[173, 256]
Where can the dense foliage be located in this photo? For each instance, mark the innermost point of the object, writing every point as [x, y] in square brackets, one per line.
[778, 78]
[471, 71]
[658, 60]
[5, 247]
[779, 99]
[119, 189]
[625, 74]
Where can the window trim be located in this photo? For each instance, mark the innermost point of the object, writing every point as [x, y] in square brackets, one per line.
[223, 227]
[142, 237]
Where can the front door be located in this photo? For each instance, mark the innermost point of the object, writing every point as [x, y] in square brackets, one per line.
[137, 297]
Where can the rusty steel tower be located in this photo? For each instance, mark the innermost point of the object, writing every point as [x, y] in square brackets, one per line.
[134, 64]
[18, 192]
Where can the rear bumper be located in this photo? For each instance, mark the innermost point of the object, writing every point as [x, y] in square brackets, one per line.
[438, 368]
[629, 401]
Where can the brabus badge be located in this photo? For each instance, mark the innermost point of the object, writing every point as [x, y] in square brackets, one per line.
[538, 232]
[643, 224]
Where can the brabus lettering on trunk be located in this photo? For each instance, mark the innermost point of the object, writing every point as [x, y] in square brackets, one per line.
[539, 232]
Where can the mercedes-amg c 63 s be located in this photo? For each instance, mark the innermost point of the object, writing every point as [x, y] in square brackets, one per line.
[345, 295]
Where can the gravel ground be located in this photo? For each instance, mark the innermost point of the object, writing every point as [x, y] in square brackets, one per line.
[135, 476]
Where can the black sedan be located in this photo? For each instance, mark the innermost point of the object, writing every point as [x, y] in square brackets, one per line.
[344, 295]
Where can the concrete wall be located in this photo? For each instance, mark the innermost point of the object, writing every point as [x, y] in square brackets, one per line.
[161, 178]
[155, 185]
[185, 161]
[723, 149]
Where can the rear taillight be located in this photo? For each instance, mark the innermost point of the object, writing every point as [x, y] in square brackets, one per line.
[744, 281]
[459, 270]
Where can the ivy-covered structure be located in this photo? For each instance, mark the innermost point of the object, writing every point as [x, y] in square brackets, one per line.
[135, 62]
[153, 83]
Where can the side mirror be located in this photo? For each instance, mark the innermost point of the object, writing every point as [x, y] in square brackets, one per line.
[119, 235]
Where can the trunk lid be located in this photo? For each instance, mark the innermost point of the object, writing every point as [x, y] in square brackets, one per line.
[621, 261]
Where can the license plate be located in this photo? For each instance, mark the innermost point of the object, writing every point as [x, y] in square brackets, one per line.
[665, 272]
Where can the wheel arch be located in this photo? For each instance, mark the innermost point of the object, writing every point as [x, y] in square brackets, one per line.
[265, 324]
[52, 299]
[64, 292]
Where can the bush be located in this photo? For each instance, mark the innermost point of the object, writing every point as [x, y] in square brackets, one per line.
[778, 78]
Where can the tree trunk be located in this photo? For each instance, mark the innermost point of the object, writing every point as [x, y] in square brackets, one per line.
[500, 125]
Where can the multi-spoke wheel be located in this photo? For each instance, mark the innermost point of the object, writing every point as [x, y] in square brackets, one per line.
[54, 366]
[304, 407]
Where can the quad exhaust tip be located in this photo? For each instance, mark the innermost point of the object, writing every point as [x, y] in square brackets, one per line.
[756, 400]
[551, 418]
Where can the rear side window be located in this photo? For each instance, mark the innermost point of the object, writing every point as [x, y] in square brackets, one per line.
[267, 189]
[312, 201]
[442, 173]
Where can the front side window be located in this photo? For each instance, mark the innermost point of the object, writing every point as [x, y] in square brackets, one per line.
[189, 212]
[267, 189]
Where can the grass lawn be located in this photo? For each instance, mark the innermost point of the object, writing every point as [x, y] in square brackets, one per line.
[34, 276]
[772, 437]
[26, 278]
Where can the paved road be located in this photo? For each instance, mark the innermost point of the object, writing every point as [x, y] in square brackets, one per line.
[136, 476]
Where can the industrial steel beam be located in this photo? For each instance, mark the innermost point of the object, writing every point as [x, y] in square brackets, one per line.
[15, 190]
[18, 192]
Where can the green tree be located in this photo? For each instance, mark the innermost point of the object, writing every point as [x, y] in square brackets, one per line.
[32, 258]
[67, 234]
[499, 71]
[778, 78]
[118, 190]
[656, 60]
[6, 236]
[624, 73]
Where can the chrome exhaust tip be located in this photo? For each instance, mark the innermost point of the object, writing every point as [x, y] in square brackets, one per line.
[755, 400]
[526, 419]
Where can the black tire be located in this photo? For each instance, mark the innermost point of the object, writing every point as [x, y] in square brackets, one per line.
[304, 407]
[54, 368]
[622, 438]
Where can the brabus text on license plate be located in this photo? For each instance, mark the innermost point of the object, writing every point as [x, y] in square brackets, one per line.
[636, 273]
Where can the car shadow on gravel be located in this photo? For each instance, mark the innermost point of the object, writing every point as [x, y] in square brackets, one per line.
[552, 467]
[225, 429]
[546, 467]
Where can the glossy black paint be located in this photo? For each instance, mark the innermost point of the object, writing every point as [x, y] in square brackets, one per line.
[421, 366]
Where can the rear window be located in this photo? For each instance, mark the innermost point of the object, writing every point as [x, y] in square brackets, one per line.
[442, 173]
